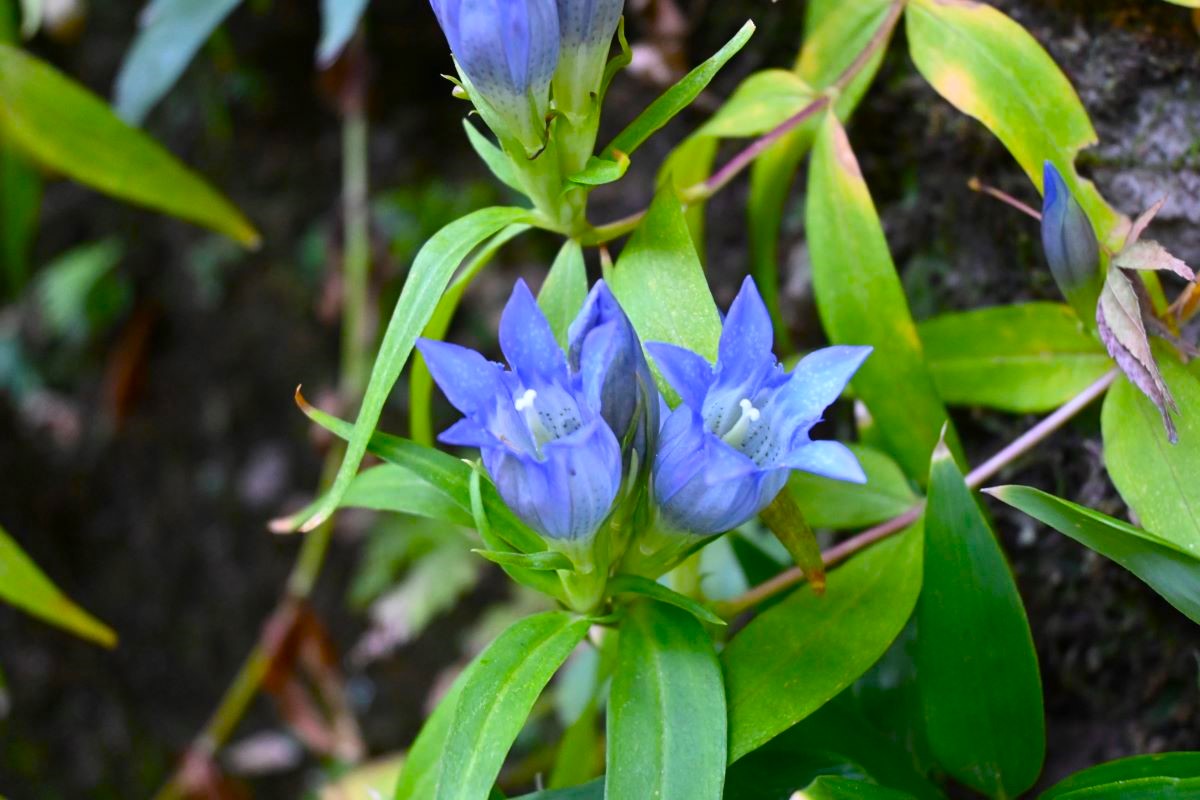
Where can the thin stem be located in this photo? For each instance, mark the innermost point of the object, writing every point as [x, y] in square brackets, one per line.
[355, 370]
[975, 479]
[977, 185]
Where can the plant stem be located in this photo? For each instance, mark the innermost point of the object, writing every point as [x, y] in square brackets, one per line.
[975, 479]
[354, 372]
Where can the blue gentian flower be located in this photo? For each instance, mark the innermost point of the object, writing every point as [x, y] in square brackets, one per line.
[1071, 247]
[629, 400]
[540, 426]
[742, 426]
[587, 28]
[507, 51]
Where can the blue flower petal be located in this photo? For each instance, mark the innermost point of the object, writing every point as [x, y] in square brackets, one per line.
[817, 381]
[468, 380]
[468, 433]
[687, 373]
[828, 459]
[746, 338]
[528, 341]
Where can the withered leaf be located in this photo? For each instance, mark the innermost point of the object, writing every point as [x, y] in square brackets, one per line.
[1119, 318]
[1141, 223]
[1150, 255]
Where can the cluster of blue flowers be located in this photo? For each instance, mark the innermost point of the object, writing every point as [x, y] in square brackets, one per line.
[581, 442]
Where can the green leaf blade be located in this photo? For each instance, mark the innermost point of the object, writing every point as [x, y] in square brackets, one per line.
[1024, 358]
[1172, 774]
[1161, 564]
[564, 291]
[865, 304]
[25, 586]
[497, 697]
[791, 660]
[841, 505]
[1156, 478]
[57, 122]
[980, 687]
[666, 711]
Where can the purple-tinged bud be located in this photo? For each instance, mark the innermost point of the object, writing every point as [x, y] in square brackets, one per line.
[587, 28]
[1071, 247]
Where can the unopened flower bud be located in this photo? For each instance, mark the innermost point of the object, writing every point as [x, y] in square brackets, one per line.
[587, 28]
[1071, 247]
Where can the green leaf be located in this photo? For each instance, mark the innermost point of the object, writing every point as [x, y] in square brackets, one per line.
[25, 586]
[420, 382]
[169, 35]
[835, 32]
[1165, 566]
[666, 713]
[677, 98]
[990, 68]
[20, 203]
[1157, 479]
[791, 660]
[832, 787]
[419, 775]
[388, 487]
[866, 304]
[600, 171]
[839, 505]
[339, 20]
[644, 587]
[1024, 358]
[838, 730]
[688, 165]
[980, 688]
[1174, 776]
[761, 102]
[787, 523]
[428, 278]
[56, 122]
[543, 561]
[493, 157]
[564, 290]
[661, 285]
[496, 698]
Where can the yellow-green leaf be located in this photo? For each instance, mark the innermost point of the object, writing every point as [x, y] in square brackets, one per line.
[25, 586]
[992, 69]
[57, 122]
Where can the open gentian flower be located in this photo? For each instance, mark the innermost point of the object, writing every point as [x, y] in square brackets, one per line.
[540, 427]
[726, 450]
[507, 51]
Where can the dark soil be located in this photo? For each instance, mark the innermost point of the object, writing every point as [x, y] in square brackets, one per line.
[152, 513]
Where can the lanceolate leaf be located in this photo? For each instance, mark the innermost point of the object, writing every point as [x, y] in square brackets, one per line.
[497, 696]
[832, 787]
[564, 290]
[492, 156]
[170, 33]
[979, 682]
[1165, 566]
[428, 278]
[834, 33]
[546, 560]
[991, 68]
[678, 97]
[637, 585]
[63, 126]
[861, 301]
[666, 711]
[388, 487]
[761, 102]
[25, 586]
[1023, 358]
[792, 659]
[661, 285]
[1174, 776]
[1156, 478]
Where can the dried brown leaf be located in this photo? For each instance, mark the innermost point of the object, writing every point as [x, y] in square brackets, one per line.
[1149, 255]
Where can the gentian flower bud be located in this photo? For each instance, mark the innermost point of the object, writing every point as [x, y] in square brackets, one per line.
[506, 52]
[629, 400]
[587, 28]
[727, 449]
[1072, 249]
[539, 427]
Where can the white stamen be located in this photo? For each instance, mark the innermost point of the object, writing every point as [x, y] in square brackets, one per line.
[737, 434]
[526, 400]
